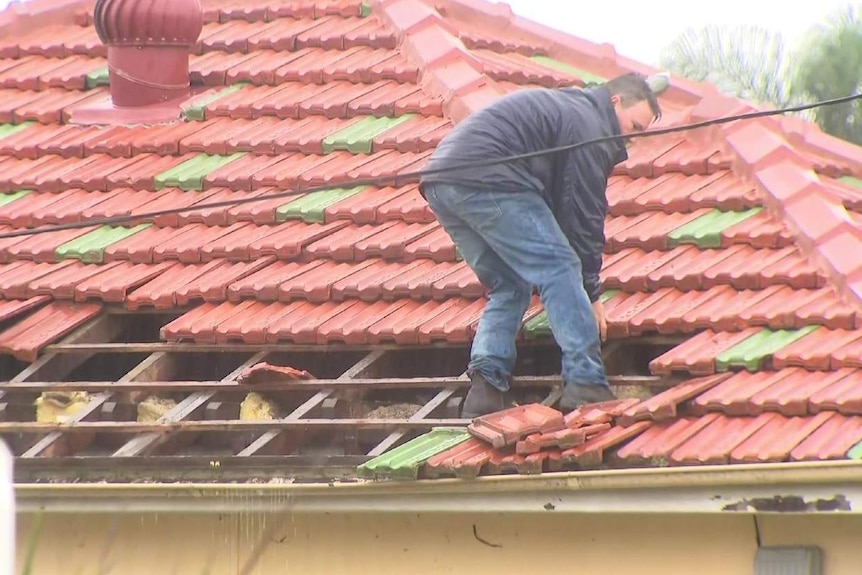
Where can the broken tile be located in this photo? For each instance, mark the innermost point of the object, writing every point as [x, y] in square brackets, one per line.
[511, 425]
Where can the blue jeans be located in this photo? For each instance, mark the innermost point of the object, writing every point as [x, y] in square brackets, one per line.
[512, 242]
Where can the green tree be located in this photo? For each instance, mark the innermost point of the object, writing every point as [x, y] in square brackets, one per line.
[747, 61]
[830, 66]
[756, 64]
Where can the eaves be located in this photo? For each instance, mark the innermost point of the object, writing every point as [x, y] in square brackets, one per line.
[797, 488]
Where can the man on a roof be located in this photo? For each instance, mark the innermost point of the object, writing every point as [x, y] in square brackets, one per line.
[537, 222]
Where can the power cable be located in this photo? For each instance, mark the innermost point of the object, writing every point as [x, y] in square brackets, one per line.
[394, 179]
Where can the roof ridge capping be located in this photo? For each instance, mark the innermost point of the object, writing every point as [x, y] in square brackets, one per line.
[793, 192]
[804, 133]
[601, 59]
[449, 70]
[20, 15]
[429, 37]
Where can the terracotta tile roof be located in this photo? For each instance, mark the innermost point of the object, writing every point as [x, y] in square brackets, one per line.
[742, 240]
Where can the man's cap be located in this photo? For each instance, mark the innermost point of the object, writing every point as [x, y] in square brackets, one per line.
[658, 83]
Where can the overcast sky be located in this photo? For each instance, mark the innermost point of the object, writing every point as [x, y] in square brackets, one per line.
[639, 28]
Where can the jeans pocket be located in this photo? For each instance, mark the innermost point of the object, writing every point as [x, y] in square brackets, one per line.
[479, 208]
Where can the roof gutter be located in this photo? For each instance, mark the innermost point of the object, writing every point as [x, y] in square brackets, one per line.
[794, 488]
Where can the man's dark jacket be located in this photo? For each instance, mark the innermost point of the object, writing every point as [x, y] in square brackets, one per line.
[572, 183]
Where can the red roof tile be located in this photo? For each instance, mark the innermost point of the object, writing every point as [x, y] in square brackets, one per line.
[43, 247]
[379, 269]
[599, 413]
[821, 350]
[61, 283]
[832, 440]
[592, 453]
[351, 326]
[697, 355]
[26, 338]
[648, 231]
[777, 439]
[113, 283]
[13, 308]
[715, 443]
[58, 106]
[15, 277]
[212, 285]
[455, 324]
[562, 439]
[510, 426]
[654, 446]
[264, 284]
[664, 405]
[466, 460]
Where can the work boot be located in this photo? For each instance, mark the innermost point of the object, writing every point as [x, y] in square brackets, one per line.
[482, 399]
[576, 395]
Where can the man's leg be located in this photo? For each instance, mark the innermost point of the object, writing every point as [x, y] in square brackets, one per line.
[525, 234]
[493, 352]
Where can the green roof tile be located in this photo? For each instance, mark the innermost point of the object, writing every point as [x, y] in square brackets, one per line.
[540, 325]
[100, 77]
[851, 181]
[358, 137]
[195, 110]
[312, 208]
[9, 129]
[10, 197]
[90, 248]
[585, 77]
[749, 354]
[404, 461]
[855, 453]
[706, 231]
[364, 10]
[190, 174]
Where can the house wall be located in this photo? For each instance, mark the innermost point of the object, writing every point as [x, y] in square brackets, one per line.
[7, 514]
[398, 544]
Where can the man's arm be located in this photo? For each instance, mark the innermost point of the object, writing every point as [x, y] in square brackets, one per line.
[582, 212]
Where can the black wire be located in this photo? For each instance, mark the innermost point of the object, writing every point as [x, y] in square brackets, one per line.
[394, 179]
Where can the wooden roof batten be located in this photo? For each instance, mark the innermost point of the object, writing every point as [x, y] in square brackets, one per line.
[330, 420]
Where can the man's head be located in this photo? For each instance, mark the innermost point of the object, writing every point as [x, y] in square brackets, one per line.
[634, 102]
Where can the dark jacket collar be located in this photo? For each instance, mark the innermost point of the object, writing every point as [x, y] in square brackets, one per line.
[616, 149]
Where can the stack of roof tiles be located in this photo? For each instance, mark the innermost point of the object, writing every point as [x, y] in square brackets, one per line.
[531, 438]
[631, 433]
[744, 238]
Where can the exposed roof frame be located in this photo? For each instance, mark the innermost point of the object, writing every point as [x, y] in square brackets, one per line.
[331, 409]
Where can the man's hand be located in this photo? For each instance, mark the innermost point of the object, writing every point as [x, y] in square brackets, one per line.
[601, 322]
